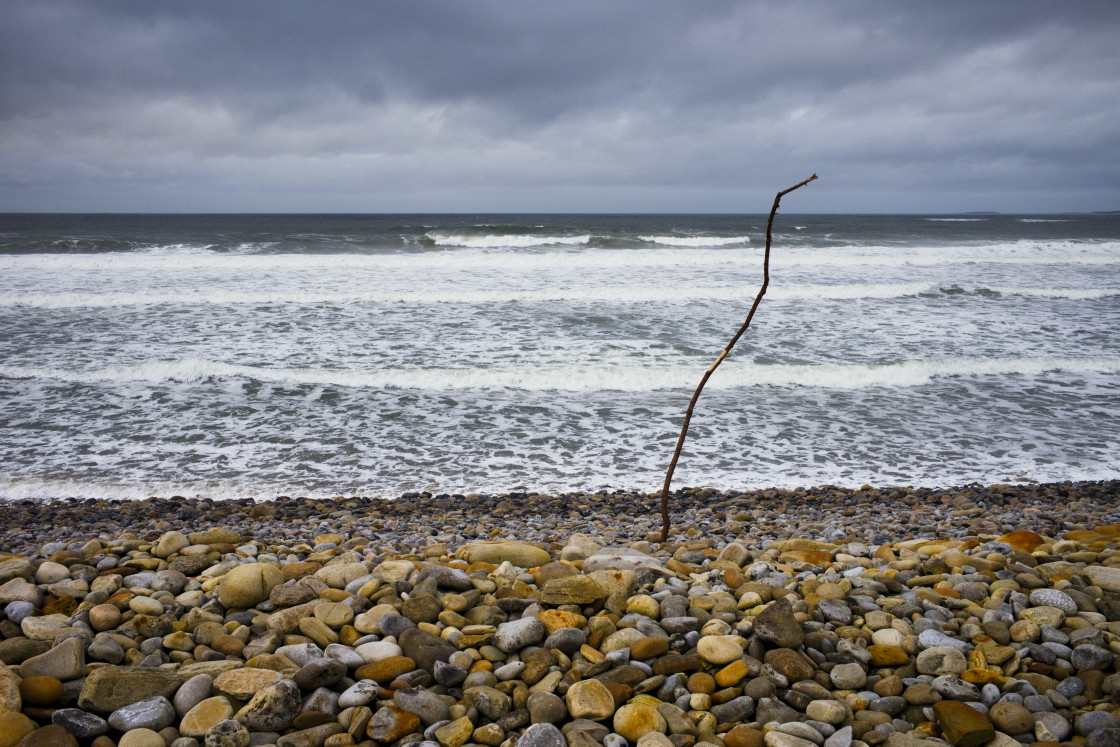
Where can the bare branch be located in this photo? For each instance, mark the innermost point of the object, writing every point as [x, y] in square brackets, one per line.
[726, 350]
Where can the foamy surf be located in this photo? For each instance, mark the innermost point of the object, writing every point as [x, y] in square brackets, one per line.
[576, 378]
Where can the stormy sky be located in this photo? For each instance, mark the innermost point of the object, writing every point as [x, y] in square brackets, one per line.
[573, 106]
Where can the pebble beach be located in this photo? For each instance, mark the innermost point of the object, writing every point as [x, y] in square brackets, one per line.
[823, 617]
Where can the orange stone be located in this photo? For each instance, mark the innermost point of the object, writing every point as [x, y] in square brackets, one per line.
[982, 677]
[743, 736]
[1085, 536]
[733, 673]
[1023, 539]
[888, 656]
[385, 670]
[40, 690]
[962, 725]
[819, 558]
[701, 682]
[648, 647]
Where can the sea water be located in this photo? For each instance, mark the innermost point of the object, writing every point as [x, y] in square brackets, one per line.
[257, 355]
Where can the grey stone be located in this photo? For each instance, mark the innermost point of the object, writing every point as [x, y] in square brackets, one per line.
[734, 710]
[81, 724]
[542, 735]
[429, 706]
[272, 708]
[153, 713]
[517, 634]
[1091, 657]
[777, 626]
[193, 691]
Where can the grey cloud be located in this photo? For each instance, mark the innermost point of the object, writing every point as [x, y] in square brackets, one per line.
[628, 105]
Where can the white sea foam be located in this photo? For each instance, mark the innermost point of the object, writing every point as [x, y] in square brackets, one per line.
[500, 241]
[574, 377]
[957, 220]
[173, 264]
[604, 294]
[696, 241]
[1084, 294]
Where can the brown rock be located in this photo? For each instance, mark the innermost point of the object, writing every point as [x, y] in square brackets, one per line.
[40, 690]
[961, 724]
[777, 626]
[1011, 718]
[386, 670]
[673, 663]
[108, 688]
[888, 656]
[791, 664]
[634, 720]
[390, 723]
[743, 736]
[244, 683]
[49, 736]
[206, 714]
[520, 554]
[14, 727]
[573, 590]
[248, 585]
[590, 699]
[648, 647]
[1023, 539]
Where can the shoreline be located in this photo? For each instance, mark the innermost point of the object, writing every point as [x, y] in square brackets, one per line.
[753, 517]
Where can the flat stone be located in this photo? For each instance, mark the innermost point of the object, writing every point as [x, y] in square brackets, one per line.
[50, 736]
[79, 723]
[390, 723]
[244, 683]
[108, 688]
[581, 590]
[622, 559]
[961, 724]
[519, 554]
[153, 713]
[517, 634]
[205, 715]
[1106, 577]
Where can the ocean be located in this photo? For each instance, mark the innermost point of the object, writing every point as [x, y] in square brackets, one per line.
[233, 356]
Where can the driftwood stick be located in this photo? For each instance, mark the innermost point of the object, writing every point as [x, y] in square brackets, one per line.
[726, 350]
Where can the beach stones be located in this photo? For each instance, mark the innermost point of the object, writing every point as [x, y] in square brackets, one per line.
[749, 638]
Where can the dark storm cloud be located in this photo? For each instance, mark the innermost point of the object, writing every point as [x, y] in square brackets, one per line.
[558, 106]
